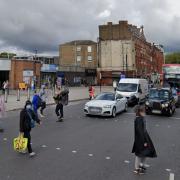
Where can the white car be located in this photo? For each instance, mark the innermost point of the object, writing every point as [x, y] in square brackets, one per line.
[106, 104]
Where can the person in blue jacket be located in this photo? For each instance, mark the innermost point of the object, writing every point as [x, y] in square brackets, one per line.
[36, 102]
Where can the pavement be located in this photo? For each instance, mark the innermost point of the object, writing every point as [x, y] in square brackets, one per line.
[76, 94]
[89, 148]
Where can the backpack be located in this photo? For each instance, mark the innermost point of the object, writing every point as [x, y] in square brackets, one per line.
[32, 123]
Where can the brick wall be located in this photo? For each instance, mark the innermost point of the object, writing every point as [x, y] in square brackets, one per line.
[17, 68]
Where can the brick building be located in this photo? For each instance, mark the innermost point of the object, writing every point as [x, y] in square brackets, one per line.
[78, 62]
[123, 49]
[24, 70]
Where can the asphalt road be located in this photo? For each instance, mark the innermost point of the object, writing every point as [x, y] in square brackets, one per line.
[89, 148]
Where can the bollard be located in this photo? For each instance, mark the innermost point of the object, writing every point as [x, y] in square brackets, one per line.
[28, 94]
[18, 95]
[5, 95]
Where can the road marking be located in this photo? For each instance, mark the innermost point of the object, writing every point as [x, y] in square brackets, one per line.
[175, 118]
[74, 152]
[44, 146]
[5, 139]
[91, 155]
[157, 125]
[147, 165]
[126, 161]
[171, 176]
[108, 158]
[168, 170]
[58, 148]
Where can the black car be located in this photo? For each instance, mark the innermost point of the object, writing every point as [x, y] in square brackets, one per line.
[160, 101]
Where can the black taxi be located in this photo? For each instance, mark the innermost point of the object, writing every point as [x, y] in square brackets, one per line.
[160, 101]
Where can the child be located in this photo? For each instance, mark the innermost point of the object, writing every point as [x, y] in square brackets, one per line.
[143, 146]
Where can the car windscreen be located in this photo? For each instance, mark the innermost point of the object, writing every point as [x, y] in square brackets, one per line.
[109, 97]
[159, 94]
[127, 87]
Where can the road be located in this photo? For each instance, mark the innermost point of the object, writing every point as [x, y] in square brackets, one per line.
[89, 148]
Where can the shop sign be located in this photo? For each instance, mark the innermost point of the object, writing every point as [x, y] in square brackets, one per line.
[28, 73]
[49, 68]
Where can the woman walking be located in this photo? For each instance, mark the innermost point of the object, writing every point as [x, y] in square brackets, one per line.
[27, 121]
[143, 146]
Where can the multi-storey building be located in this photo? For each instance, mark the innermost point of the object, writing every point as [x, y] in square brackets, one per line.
[78, 62]
[123, 49]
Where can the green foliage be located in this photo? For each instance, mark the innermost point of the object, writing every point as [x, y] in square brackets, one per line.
[173, 58]
[7, 55]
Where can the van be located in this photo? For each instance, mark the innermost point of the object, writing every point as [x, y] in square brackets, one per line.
[135, 90]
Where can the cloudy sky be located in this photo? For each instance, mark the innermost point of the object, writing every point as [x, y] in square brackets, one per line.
[26, 25]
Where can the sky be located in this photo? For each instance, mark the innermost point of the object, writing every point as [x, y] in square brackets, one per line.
[26, 25]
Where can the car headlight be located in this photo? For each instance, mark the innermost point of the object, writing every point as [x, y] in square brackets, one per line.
[86, 106]
[163, 105]
[147, 103]
[108, 106]
[166, 105]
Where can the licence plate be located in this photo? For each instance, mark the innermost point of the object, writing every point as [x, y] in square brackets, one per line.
[95, 110]
[156, 111]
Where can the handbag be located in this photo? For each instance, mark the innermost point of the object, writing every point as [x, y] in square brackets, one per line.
[20, 143]
[32, 120]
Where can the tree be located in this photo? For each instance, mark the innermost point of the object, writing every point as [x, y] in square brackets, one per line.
[173, 58]
[7, 55]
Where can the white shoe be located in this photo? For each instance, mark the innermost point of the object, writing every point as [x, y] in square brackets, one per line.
[32, 154]
[41, 115]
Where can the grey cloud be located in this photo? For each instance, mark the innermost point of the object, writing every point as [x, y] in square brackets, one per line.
[44, 24]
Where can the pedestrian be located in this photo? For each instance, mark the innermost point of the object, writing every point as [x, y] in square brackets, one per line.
[2, 110]
[91, 92]
[43, 96]
[36, 102]
[61, 99]
[5, 86]
[143, 146]
[27, 121]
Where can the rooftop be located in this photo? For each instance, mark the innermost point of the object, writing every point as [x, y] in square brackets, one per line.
[80, 42]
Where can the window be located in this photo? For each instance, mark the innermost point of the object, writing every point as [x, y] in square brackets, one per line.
[78, 58]
[78, 48]
[89, 49]
[89, 58]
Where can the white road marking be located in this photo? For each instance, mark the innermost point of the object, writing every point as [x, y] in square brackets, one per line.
[157, 125]
[5, 139]
[74, 152]
[58, 148]
[171, 176]
[44, 146]
[147, 165]
[126, 161]
[168, 170]
[108, 158]
[90, 155]
[175, 118]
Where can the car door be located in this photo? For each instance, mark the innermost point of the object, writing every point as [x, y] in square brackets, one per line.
[120, 103]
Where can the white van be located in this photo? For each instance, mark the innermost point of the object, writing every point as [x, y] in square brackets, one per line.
[135, 90]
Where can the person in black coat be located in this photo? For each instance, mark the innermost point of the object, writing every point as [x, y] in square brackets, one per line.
[27, 119]
[143, 145]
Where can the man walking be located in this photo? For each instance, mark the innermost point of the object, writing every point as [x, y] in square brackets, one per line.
[61, 99]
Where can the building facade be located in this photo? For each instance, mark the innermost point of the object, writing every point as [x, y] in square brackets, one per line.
[5, 68]
[78, 62]
[24, 70]
[123, 49]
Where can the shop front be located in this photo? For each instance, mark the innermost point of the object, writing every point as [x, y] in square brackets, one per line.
[49, 74]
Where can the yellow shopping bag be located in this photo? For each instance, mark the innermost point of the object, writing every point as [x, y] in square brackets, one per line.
[20, 143]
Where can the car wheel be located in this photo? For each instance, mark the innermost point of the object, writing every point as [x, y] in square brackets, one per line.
[170, 112]
[126, 108]
[114, 112]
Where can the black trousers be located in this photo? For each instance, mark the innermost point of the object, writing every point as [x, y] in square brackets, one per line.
[28, 136]
[59, 110]
[43, 106]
